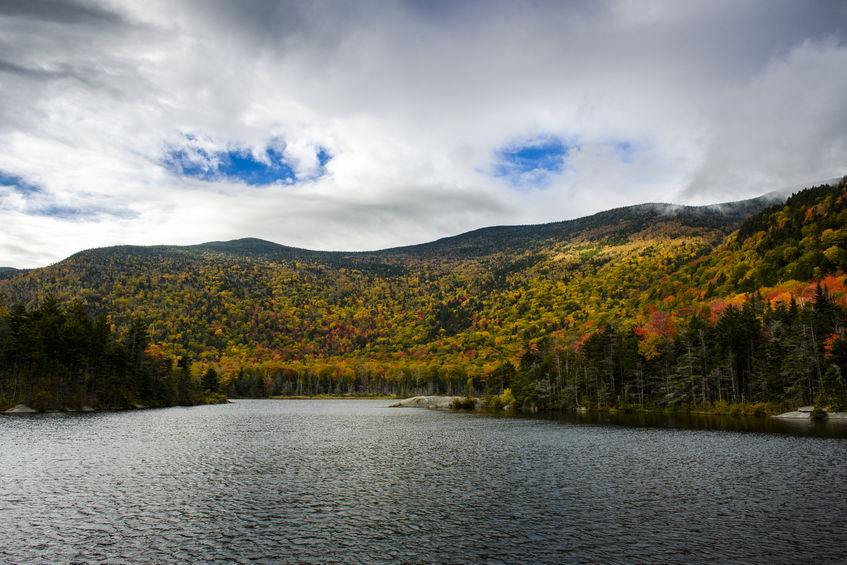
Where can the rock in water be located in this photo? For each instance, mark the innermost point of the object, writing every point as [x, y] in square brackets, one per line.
[438, 402]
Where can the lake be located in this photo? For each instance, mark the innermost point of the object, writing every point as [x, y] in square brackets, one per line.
[353, 481]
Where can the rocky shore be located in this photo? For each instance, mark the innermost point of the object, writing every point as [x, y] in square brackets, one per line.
[434, 402]
[21, 409]
[24, 409]
[805, 413]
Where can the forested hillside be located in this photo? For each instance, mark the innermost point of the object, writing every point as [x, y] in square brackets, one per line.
[594, 310]
[760, 319]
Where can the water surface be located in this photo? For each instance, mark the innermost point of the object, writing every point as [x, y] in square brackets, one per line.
[354, 481]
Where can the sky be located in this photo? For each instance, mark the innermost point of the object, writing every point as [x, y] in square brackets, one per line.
[364, 125]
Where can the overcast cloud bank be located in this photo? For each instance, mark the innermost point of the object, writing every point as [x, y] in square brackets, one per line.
[365, 125]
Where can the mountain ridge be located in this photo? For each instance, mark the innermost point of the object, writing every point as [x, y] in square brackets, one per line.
[252, 294]
[253, 246]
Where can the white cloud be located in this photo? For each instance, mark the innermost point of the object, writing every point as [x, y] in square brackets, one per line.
[785, 126]
[413, 100]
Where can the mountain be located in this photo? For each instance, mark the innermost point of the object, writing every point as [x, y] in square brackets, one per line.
[6, 272]
[468, 292]
[465, 312]
[618, 223]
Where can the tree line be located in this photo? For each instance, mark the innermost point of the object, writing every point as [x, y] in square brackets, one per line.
[760, 355]
[54, 358]
[786, 354]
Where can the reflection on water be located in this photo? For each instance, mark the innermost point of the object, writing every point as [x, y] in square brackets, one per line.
[764, 424]
[355, 481]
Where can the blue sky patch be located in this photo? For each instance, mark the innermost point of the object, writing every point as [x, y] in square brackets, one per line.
[82, 213]
[18, 184]
[531, 163]
[323, 157]
[244, 166]
[238, 164]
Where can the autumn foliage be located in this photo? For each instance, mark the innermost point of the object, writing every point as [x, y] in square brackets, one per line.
[618, 307]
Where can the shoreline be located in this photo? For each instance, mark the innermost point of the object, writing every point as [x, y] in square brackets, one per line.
[807, 415]
[325, 397]
[802, 413]
[21, 409]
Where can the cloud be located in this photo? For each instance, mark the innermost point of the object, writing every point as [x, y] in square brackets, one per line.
[370, 124]
[16, 195]
[59, 11]
[786, 125]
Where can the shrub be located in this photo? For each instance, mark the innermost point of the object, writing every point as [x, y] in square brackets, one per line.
[42, 401]
[463, 403]
[818, 414]
[502, 401]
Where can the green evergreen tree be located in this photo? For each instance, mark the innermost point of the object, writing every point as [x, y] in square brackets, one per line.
[210, 380]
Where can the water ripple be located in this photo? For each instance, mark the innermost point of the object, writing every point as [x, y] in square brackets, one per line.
[356, 482]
